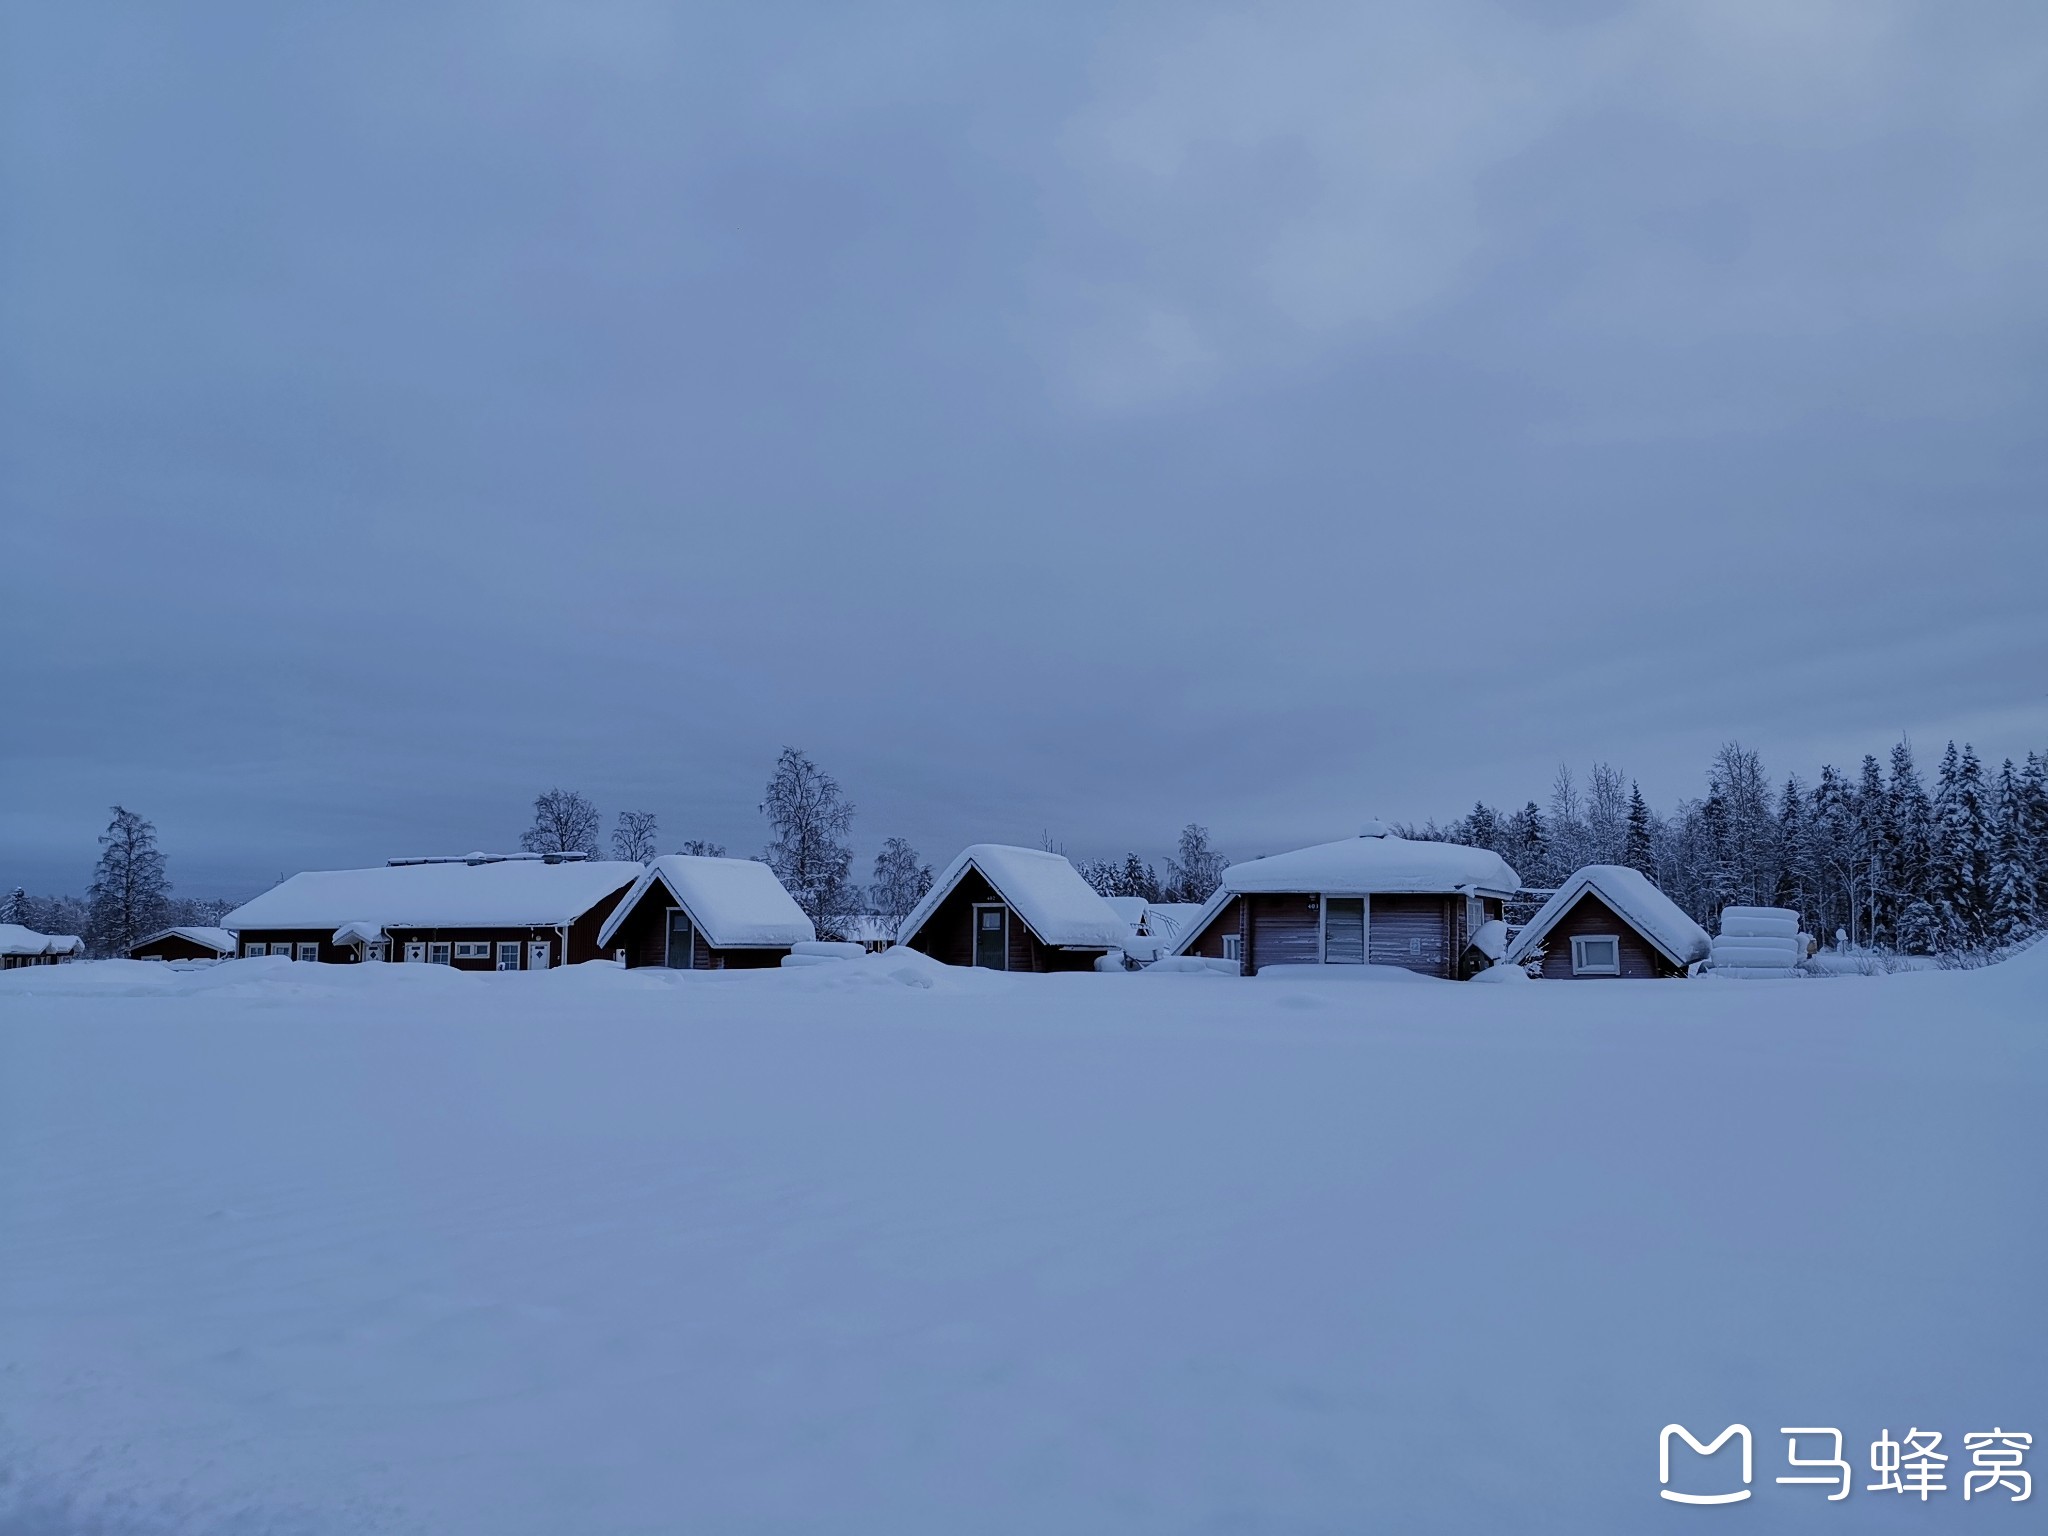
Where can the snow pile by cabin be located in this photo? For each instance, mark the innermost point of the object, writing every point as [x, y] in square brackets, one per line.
[695, 912]
[1371, 899]
[1014, 909]
[1758, 943]
[1609, 921]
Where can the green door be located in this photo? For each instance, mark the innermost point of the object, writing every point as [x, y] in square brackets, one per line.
[992, 938]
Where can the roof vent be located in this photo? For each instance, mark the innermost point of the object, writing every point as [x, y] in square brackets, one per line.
[1373, 827]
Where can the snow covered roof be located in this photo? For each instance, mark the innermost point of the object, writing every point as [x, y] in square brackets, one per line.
[1169, 919]
[1042, 888]
[1376, 861]
[1635, 899]
[358, 933]
[17, 940]
[517, 893]
[735, 903]
[1130, 908]
[218, 940]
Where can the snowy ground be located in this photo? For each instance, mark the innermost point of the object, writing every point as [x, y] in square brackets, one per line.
[312, 1249]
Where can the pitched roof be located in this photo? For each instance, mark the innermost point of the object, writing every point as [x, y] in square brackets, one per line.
[735, 903]
[511, 893]
[1634, 899]
[17, 940]
[1376, 861]
[1042, 888]
[217, 939]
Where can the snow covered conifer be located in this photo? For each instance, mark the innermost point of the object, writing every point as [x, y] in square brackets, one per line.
[1962, 853]
[563, 822]
[804, 806]
[1638, 851]
[2010, 905]
[633, 837]
[129, 887]
[16, 908]
[1140, 879]
[1795, 850]
[901, 879]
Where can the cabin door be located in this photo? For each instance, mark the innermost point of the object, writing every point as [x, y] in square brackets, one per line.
[416, 954]
[1343, 930]
[682, 940]
[992, 937]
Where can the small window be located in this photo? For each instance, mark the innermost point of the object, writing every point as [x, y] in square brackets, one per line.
[309, 951]
[1596, 955]
[1230, 950]
[437, 954]
[992, 919]
[508, 957]
[253, 950]
[472, 949]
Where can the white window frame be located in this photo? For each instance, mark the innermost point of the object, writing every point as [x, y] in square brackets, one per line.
[514, 946]
[474, 949]
[668, 937]
[1231, 949]
[255, 951]
[1580, 968]
[306, 952]
[440, 952]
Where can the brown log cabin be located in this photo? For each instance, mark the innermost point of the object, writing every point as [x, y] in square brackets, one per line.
[1374, 899]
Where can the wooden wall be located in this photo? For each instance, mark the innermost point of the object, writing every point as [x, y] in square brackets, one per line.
[174, 946]
[1286, 929]
[948, 934]
[1414, 932]
[1591, 915]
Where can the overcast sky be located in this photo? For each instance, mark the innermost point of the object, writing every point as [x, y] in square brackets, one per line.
[1054, 418]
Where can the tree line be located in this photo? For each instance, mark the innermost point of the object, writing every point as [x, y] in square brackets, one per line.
[1875, 854]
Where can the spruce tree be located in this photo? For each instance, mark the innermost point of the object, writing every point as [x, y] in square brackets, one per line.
[129, 888]
[2011, 912]
[1962, 854]
[1637, 850]
[1795, 856]
[1871, 819]
[1909, 854]
[16, 909]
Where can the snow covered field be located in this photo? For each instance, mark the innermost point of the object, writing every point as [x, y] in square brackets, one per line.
[881, 1248]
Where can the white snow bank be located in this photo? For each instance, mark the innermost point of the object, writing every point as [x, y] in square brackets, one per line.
[1042, 888]
[1385, 864]
[416, 1250]
[514, 893]
[1490, 938]
[735, 903]
[1634, 897]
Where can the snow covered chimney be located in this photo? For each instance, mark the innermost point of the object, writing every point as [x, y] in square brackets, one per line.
[1373, 827]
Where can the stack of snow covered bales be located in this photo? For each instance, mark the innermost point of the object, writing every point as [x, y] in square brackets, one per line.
[1758, 942]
